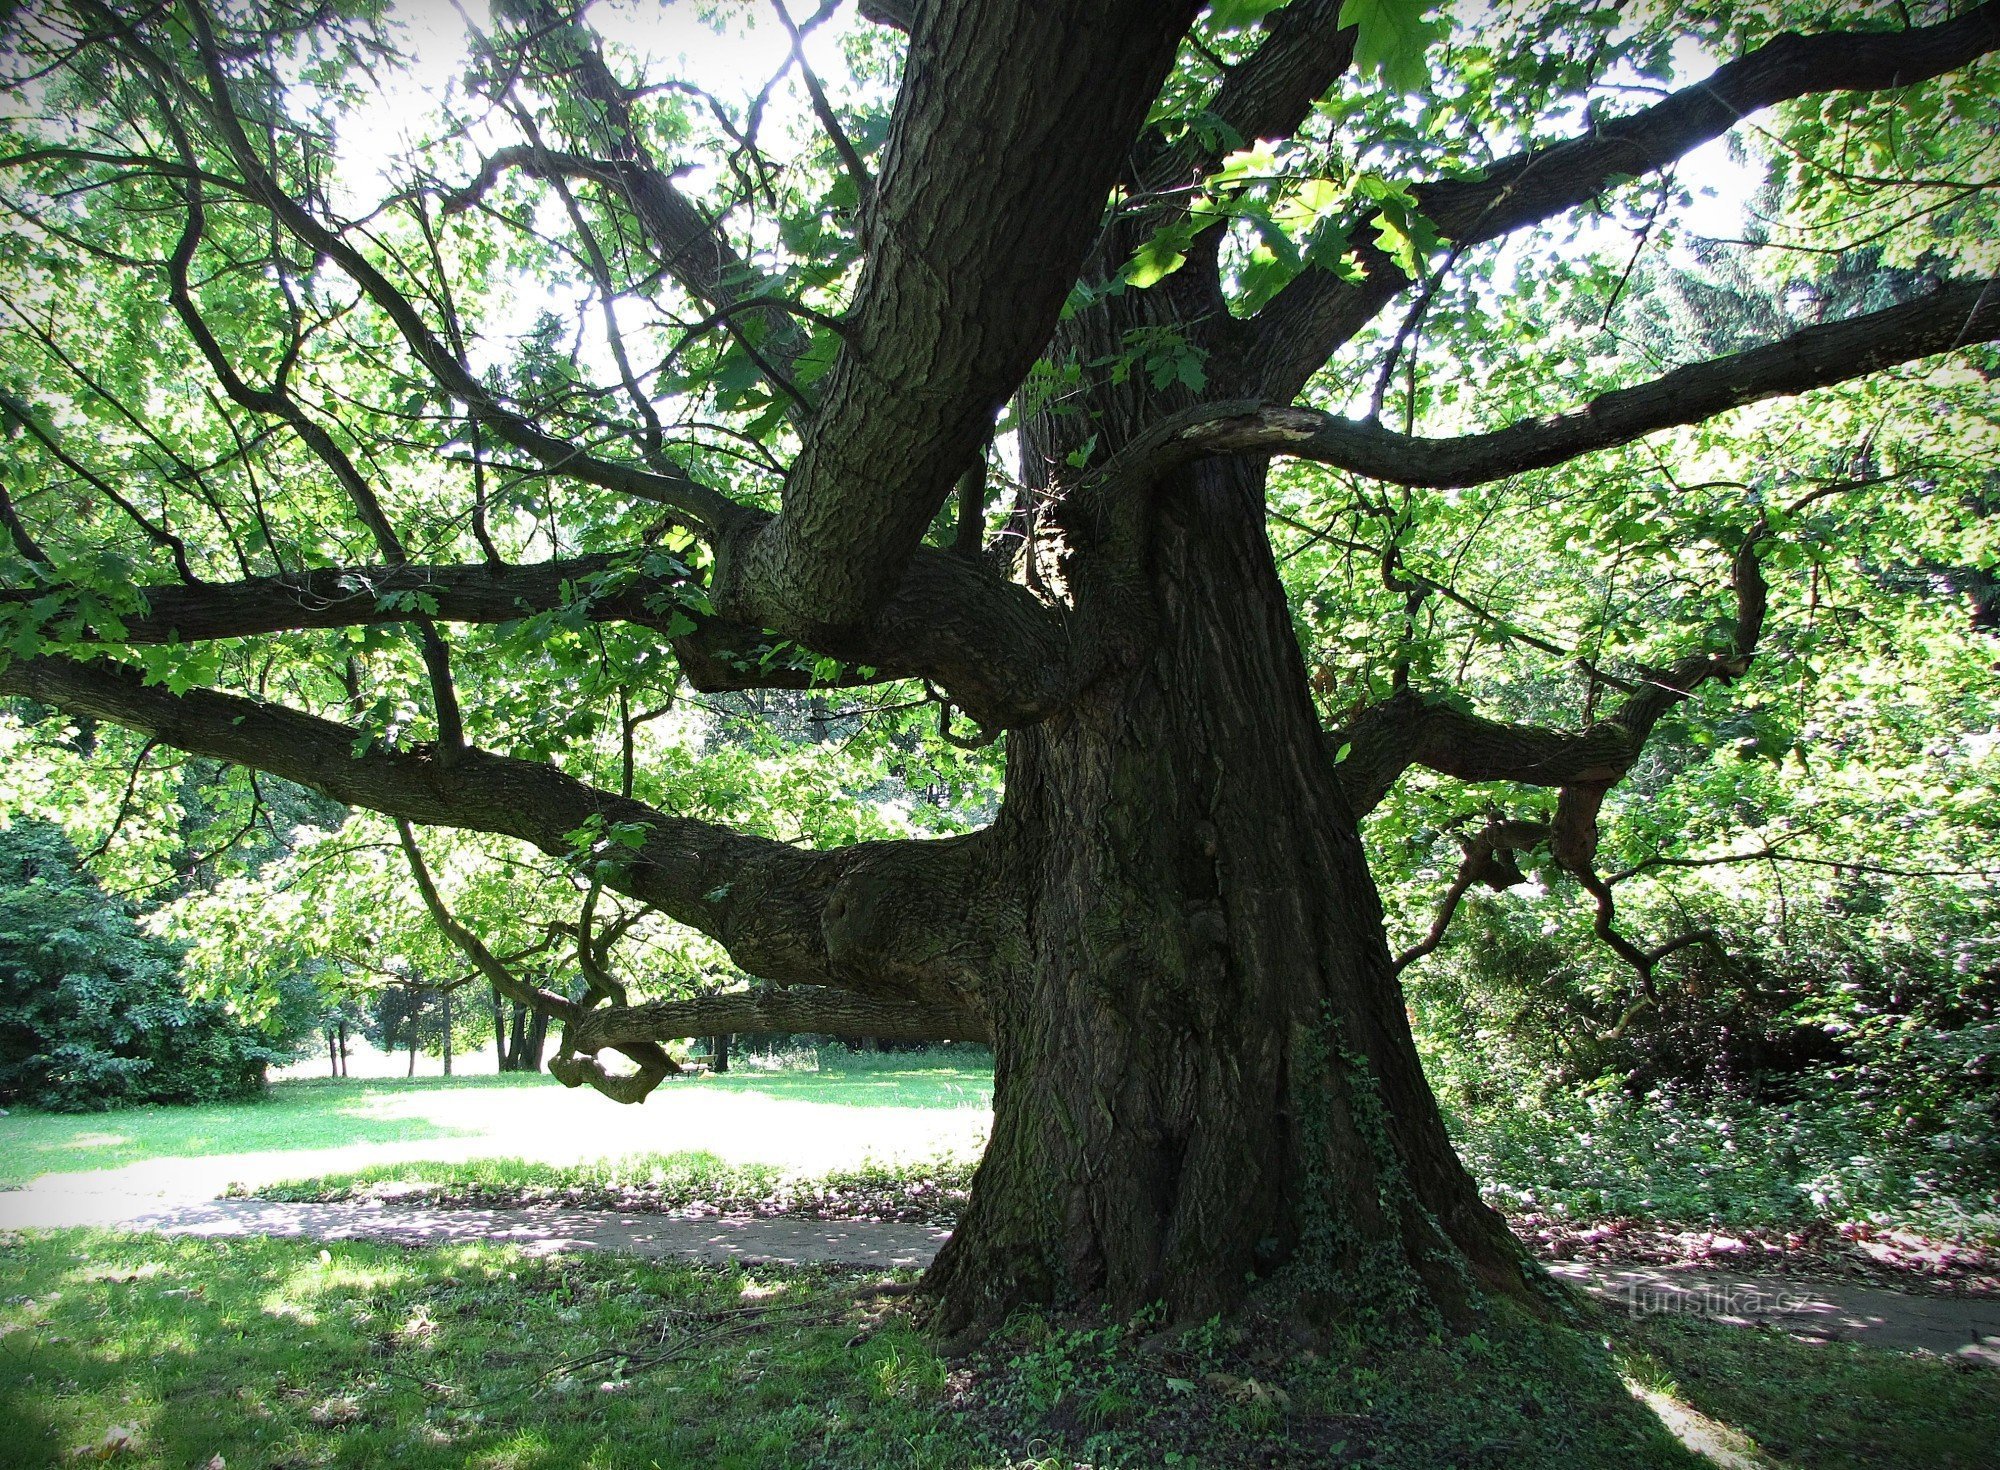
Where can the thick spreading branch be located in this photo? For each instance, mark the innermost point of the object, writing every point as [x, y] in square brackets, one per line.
[988, 643]
[952, 621]
[801, 1009]
[1013, 121]
[894, 919]
[1382, 741]
[1411, 729]
[1957, 315]
[1311, 317]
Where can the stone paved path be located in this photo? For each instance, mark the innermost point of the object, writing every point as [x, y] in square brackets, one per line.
[1968, 1327]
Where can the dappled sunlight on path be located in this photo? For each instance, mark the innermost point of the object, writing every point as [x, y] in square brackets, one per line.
[553, 1231]
[1968, 1326]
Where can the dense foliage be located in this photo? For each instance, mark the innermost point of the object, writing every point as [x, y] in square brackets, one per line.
[93, 1011]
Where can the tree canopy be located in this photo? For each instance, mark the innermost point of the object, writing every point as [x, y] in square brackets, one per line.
[1242, 421]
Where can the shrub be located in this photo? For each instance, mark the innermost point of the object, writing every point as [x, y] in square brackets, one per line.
[92, 1010]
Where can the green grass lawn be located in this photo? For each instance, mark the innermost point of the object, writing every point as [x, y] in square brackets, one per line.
[531, 1115]
[275, 1353]
[932, 1189]
[290, 1116]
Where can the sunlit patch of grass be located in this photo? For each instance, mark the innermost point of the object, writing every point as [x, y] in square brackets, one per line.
[291, 1116]
[909, 1190]
[469, 1355]
[515, 1114]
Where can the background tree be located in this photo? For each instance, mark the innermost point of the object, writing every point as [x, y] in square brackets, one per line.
[977, 389]
[93, 1013]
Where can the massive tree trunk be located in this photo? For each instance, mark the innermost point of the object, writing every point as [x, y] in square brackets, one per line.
[1205, 1075]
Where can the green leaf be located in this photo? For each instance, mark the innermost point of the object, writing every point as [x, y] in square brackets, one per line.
[1391, 37]
[1159, 257]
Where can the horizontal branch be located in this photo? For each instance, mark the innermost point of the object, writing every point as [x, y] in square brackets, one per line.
[987, 642]
[1312, 316]
[831, 1012]
[1383, 740]
[889, 918]
[1956, 315]
[1411, 729]
[1534, 185]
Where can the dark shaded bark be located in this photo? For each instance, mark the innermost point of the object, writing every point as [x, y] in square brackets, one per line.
[1013, 121]
[1204, 1070]
[718, 1053]
[804, 1009]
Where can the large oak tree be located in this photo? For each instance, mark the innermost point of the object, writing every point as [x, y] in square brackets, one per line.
[278, 495]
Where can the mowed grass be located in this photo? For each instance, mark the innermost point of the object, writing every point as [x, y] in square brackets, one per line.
[169, 1353]
[929, 1190]
[916, 1103]
[290, 1116]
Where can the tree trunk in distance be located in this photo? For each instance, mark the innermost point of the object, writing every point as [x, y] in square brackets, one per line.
[502, 1061]
[1205, 1085]
[530, 1059]
[718, 1053]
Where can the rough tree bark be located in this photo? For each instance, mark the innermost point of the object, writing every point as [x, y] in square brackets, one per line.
[1204, 1071]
